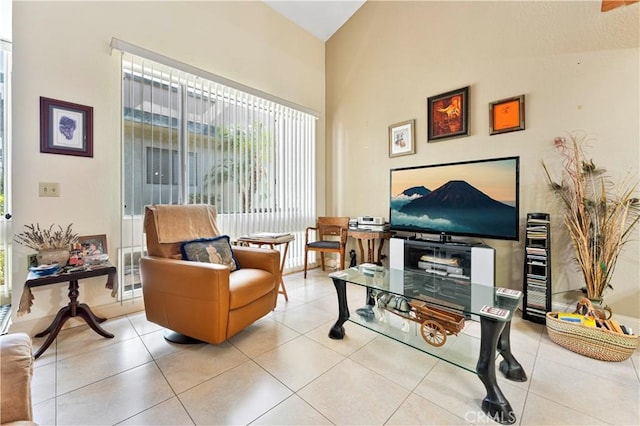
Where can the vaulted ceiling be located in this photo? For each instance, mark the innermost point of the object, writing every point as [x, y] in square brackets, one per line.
[323, 18]
[320, 18]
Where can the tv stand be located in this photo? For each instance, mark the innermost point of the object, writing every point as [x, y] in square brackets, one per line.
[472, 262]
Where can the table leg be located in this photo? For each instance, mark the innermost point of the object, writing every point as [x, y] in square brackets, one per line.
[283, 289]
[509, 366]
[337, 331]
[71, 310]
[361, 250]
[63, 315]
[94, 316]
[370, 249]
[85, 313]
[379, 262]
[494, 404]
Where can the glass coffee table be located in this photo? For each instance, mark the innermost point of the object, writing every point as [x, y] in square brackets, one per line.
[427, 311]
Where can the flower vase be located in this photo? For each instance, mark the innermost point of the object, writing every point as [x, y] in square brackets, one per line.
[49, 256]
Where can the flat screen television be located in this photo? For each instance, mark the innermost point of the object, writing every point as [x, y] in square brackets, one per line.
[473, 198]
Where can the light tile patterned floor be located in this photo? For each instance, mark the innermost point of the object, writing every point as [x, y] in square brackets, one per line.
[284, 370]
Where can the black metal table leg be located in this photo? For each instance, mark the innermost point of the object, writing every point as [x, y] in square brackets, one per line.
[509, 366]
[494, 404]
[337, 331]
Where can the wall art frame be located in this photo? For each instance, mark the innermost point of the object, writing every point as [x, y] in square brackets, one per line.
[448, 115]
[506, 115]
[402, 138]
[66, 128]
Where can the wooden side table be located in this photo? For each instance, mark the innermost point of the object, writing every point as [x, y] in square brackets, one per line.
[73, 308]
[272, 243]
[370, 237]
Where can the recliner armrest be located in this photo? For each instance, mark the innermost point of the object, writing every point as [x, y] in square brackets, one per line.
[258, 258]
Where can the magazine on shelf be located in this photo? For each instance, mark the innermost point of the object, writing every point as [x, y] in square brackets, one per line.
[508, 292]
[536, 250]
[537, 220]
[495, 312]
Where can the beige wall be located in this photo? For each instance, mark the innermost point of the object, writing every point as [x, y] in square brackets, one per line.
[579, 70]
[61, 50]
[577, 66]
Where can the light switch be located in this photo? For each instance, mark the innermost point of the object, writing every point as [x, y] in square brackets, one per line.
[49, 189]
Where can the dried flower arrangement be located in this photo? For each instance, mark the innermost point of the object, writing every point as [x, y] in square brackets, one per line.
[600, 214]
[42, 239]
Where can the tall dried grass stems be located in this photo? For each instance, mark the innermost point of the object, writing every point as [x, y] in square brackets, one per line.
[42, 239]
[600, 214]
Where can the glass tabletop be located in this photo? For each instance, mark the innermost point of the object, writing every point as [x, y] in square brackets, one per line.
[448, 295]
[442, 291]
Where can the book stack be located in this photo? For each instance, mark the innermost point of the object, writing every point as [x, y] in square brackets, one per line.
[495, 312]
[508, 292]
[268, 237]
[613, 325]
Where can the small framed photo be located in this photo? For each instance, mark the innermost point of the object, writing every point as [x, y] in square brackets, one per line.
[506, 115]
[449, 114]
[66, 128]
[92, 245]
[402, 138]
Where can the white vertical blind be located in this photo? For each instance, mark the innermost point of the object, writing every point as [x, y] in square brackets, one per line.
[189, 139]
[5, 174]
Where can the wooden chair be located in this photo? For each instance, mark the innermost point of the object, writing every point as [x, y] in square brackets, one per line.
[330, 237]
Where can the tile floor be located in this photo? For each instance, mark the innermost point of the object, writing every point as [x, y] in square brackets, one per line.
[284, 370]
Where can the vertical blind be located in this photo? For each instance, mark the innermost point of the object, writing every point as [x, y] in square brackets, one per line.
[187, 139]
[5, 174]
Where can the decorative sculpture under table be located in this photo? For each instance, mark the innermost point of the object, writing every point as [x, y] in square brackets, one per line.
[439, 305]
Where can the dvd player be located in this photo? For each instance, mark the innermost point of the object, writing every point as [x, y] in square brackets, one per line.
[370, 220]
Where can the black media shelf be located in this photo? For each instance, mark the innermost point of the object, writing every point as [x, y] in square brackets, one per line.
[537, 268]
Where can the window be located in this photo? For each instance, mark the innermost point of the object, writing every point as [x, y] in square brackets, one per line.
[163, 167]
[190, 139]
[5, 176]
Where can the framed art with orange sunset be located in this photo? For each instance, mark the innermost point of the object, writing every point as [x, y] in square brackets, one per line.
[448, 115]
[506, 115]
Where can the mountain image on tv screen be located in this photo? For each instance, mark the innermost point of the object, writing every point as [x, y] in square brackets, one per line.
[477, 199]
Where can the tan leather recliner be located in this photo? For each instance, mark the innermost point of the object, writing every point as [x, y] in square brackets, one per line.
[204, 301]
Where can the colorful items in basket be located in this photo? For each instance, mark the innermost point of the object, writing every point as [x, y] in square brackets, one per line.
[607, 341]
[42, 270]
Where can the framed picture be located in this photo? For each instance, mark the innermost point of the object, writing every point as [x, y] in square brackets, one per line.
[402, 138]
[506, 115]
[449, 114]
[66, 128]
[91, 245]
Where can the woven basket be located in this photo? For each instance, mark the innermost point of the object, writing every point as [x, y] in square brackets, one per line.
[593, 342]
